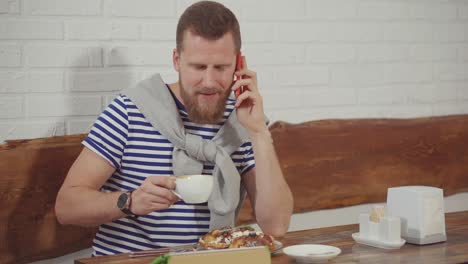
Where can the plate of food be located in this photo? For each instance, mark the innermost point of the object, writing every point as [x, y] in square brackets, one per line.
[238, 237]
[228, 238]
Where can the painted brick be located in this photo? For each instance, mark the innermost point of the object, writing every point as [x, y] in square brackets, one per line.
[10, 56]
[451, 32]
[38, 55]
[11, 106]
[461, 87]
[450, 91]
[356, 75]
[79, 126]
[403, 111]
[433, 52]
[9, 6]
[302, 98]
[159, 31]
[386, 95]
[432, 93]
[451, 71]
[423, 93]
[4, 6]
[324, 32]
[303, 75]
[358, 32]
[449, 108]
[404, 73]
[9, 83]
[257, 32]
[382, 52]
[30, 29]
[463, 11]
[276, 10]
[63, 105]
[383, 10]
[141, 8]
[15, 6]
[62, 7]
[275, 99]
[331, 9]
[323, 112]
[98, 30]
[100, 81]
[408, 32]
[304, 32]
[157, 54]
[463, 52]
[266, 78]
[278, 54]
[31, 129]
[463, 107]
[329, 53]
[21, 82]
[433, 11]
[351, 111]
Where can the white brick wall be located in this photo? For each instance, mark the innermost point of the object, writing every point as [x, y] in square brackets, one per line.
[62, 61]
[31, 29]
[10, 55]
[61, 7]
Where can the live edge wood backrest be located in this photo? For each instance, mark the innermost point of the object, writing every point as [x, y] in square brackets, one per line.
[328, 164]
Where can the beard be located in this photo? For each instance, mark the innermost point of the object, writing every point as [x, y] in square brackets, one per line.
[203, 112]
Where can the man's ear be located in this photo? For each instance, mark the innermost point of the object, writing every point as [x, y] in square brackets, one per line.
[176, 60]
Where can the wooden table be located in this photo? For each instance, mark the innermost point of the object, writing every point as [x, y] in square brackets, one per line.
[454, 250]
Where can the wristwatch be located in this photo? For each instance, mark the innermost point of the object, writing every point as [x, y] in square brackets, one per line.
[124, 202]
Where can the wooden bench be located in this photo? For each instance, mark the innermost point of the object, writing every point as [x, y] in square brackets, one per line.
[328, 164]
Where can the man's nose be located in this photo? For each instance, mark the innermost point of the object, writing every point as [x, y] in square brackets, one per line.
[209, 78]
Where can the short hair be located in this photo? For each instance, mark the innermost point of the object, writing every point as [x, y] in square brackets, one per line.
[210, 20]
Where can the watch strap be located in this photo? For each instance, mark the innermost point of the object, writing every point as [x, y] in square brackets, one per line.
[126, 210]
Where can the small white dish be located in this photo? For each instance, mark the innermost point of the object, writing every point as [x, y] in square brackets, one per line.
[378, 243]
[311, 253]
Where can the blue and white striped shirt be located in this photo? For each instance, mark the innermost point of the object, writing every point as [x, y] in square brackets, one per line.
[124, 137]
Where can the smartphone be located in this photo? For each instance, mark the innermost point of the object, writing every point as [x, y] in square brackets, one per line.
[239, 66]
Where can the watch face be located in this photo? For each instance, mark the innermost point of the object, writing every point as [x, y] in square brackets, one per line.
[122, 201]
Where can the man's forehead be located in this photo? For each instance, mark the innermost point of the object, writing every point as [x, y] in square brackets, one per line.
[191, 38]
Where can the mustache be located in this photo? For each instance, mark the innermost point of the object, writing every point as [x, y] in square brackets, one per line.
[206, 90]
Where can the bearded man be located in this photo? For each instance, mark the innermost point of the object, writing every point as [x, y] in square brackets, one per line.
[124, 178]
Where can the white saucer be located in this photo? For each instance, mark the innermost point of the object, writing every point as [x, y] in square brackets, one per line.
[311, 253]
[378, 243]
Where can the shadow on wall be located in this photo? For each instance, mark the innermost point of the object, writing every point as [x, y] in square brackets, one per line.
[92, 89]
[32, 172]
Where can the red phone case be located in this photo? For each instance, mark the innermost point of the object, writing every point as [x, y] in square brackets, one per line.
[239, 66]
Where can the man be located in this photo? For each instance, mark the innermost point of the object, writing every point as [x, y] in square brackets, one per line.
[123, 179]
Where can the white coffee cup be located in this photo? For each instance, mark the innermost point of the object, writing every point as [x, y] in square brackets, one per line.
[194, 189]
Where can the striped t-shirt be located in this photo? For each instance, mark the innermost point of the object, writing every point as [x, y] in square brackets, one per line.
[124, 137]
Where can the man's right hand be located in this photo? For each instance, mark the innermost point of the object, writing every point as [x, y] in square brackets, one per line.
[154, 194]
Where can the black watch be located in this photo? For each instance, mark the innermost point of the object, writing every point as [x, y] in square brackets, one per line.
[124, 202]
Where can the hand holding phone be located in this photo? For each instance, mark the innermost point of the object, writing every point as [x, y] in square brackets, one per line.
[239, 66]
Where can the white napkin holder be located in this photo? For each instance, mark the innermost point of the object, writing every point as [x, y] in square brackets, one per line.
[421, 210]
